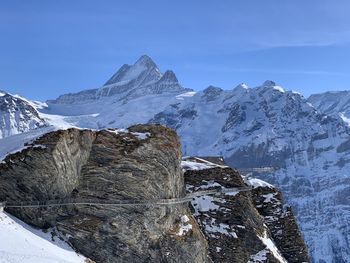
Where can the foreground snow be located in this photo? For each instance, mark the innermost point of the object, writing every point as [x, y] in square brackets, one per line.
[22, 243]
[16, 142]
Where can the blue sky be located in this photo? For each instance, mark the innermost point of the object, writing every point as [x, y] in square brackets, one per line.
[48, 48]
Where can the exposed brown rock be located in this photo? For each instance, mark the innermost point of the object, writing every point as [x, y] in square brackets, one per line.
[235, 224]
[281, 223]
[140, 165]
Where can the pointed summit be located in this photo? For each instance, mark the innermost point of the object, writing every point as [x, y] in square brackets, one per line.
[242, 86]
[139, 79]
[269, 83]
[240, 89]
[169, 77]
[144, 69]
[145, 61]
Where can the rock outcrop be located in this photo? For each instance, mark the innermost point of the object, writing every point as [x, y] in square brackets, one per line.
[247, 226]
[110, 166]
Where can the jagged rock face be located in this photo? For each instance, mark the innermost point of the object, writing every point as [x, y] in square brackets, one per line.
[281, 223]
[17, 116]
[107, 166]
[142, 78]
[249, 226]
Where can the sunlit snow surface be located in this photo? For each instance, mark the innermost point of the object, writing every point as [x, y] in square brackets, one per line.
[20, 243]
[272, 247]
[16, 142]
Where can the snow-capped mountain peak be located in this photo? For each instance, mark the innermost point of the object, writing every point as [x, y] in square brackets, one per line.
[141, 79]
[211, 93]
[17, 115]
[146, 61]
[269, 83]
[169, 77]
[144, 69]
[240, 89]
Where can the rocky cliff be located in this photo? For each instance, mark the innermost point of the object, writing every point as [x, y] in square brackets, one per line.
[246, 226]
[139, 165]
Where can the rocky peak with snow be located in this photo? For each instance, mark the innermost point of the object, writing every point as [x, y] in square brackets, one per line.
[211, 93]
[169, 77]
[143, 71]
[270, 86]
[269, 83]
[241, 87]
[143, 78]
[17, 115]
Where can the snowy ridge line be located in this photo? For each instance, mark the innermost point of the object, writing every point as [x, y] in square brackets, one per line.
[82, 201]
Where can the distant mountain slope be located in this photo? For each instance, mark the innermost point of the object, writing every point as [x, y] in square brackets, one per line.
[333, 103]
[17, 115]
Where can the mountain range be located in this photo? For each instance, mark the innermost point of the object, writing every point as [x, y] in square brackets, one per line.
[301, 145]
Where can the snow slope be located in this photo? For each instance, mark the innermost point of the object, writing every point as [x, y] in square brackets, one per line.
[17, 142]
[20, 243]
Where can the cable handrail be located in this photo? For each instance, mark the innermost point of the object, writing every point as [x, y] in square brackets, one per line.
[85, 201]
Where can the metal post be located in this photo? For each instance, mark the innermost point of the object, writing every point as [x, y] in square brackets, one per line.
[2, 206]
